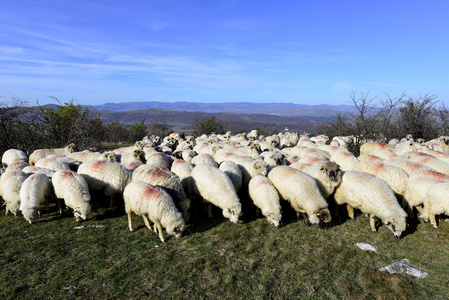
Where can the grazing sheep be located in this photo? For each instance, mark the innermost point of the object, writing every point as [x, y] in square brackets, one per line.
[17, 165]
[436, 202]
[41, 153]
[369, 147]
[13, 155]
[184, 170]
[395, 176]
[73, 188]
[35, 190]
[327, 176]
[215, 187]
[155, 205]
[160, 159]
[232, 170]
[249, 167]
[415, 193]
[10, 183]
[407, 165]
[345, 159]
[135, 155]
[372, 196]
[265, 196]
[52, 164]
[204, 158]
[302, 191]
[109, 177]
[169, 181]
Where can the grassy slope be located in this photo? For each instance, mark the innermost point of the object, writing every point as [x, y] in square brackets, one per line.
[215, 258]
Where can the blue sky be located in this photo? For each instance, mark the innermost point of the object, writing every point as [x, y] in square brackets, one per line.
[305, 52]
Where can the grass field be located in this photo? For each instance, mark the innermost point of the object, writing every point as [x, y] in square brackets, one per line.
[215, 259]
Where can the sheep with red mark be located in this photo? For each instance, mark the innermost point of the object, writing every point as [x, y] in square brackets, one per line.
[10, 183]
[301, 190]
[215, 188]
[265, 196]
[17, 165]
[155, 205]
[13, 155]
[432, 162]
[52, 164]
[41, 153]
[169, 181]
[395, 176]
[312, 160]
[109, 177]
[369, 147]
[345, 159]
[369, 157]
[407, 165]
[34, 192]
[373, 196]
[73, 189]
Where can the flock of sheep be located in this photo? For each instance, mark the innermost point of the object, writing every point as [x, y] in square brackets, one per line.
[159, 178]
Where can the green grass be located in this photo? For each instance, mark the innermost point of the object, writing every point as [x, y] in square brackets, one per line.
[215, 259]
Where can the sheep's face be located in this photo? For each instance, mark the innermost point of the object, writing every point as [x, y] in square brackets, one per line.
[274, 219]
[233, 213]
[322, 217]
[332, 169]
[139, 155]
[260, 167]
[111, 157]
[81, 215]
[29, 215]
[397, 225]
[177, 229]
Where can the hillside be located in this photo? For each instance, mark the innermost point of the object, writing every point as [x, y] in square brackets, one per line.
[182, 120]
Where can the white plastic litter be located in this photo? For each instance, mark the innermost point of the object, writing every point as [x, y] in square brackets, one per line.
[404, 266]
[93, 226]
[366, 247]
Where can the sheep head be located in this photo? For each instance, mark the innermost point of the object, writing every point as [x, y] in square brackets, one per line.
[139, 155]
[396, 224]
[177, 228]
[332, 169]
[259, 167]
[233, 213]
[322, 217]
[274, 219]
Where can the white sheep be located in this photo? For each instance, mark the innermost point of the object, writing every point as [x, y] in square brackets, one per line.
[232, 170]
[265, 196]
[73, 188]
[215, 187]
[415, 193]
[312, 160]
[184, 170]
[35, 190]
[109, 177]
[155, 205]
[17, 166]
[10, 183]
[204, 158]
[436, 202]
[369, 147]
[372, 196]
[169, 181]
[345, 159]
[327, 175]
[41, 153]
[407, 165]
[52, 164]
[135, 155]
[395, 176]
[432, 162]
[249, 167]
[160, 159]
[12, 155]
[301, 190]
[369, 157]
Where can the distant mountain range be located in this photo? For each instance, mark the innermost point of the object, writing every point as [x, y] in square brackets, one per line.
[278, 109]
[236, 116]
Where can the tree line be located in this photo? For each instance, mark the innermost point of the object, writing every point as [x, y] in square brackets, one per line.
[379, 117]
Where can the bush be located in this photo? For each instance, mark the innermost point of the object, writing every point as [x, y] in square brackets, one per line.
[207, 126]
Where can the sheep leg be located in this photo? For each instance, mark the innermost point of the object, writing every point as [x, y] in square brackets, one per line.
[372, 222]
[433, 221]
[306, 219]
[209, 211]
[350, 211]
[147, 222]
[7, 210]
[130, 222]
[159, 227]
